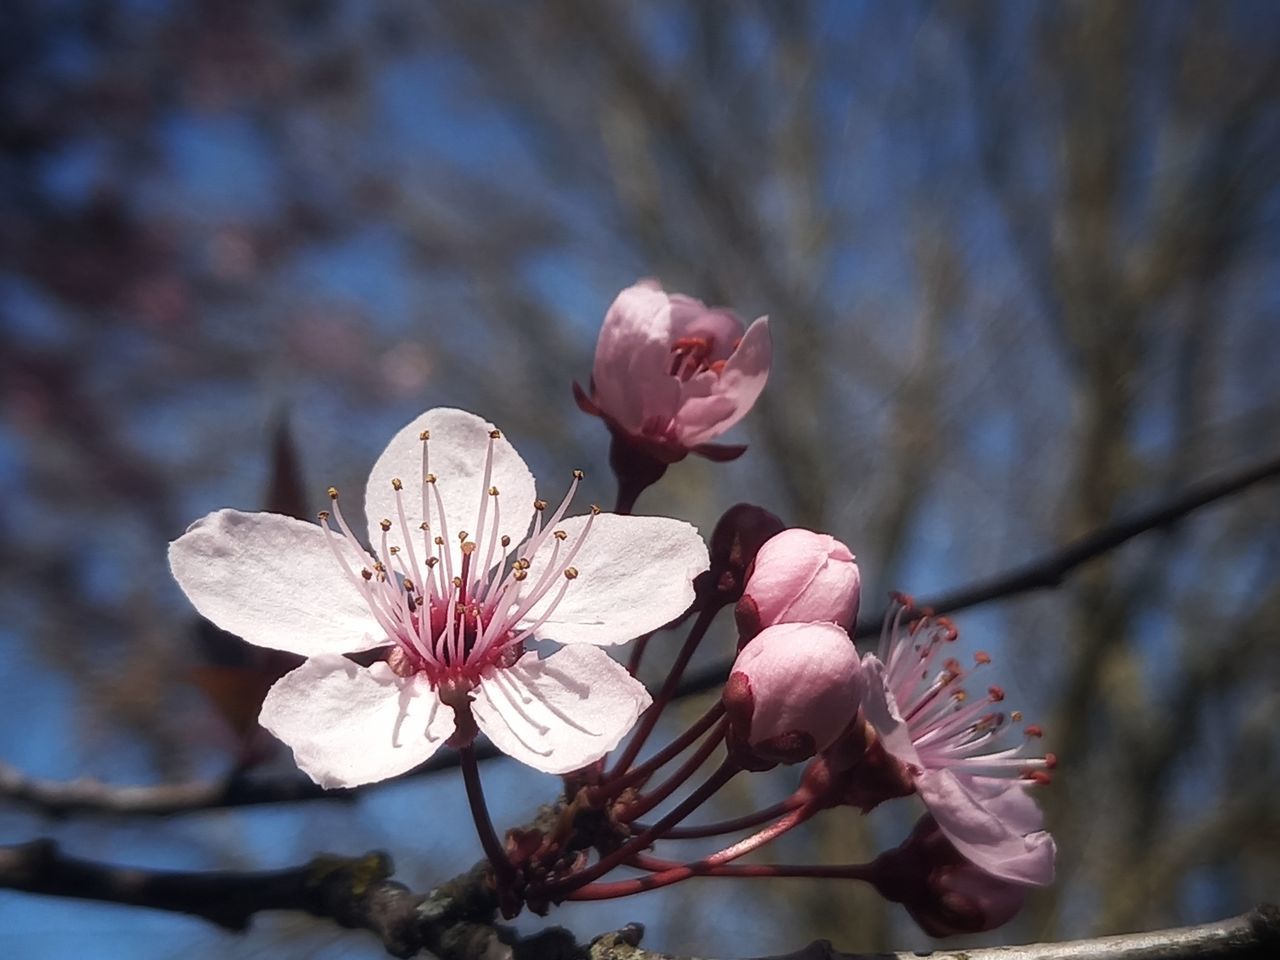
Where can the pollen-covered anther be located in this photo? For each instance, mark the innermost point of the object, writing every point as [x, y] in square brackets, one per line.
[366, 573]
[333, 493]
[425, 435]
[385, 524]
[1016, 716]
[323, 515]
[595, 509]
[396, 484]
[438, 541]
[571, 573]
[578, 475]
[539, 505]
[431, 562]
[408, 585]
[1033, 730]
[457, 582]
[960, 696]
[468, 548]
[429, 478]
[393, 550]
[995, 693]
[505, 540]
[495, 434]
[462, 536]
[493, 491]
[518, 575]
[560, 535]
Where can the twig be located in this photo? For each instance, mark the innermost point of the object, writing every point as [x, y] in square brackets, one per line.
[455, 921]
[53, 798]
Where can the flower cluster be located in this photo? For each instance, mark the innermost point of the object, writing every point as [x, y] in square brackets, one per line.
[421, 635]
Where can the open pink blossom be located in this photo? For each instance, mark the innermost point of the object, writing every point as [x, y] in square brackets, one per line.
[792, 691]
[671, 374]
[952, 748]
[453, 601]
[798, 577]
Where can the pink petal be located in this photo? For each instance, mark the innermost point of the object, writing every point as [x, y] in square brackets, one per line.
[881, 711]
[349, 725]
[562, 713]
[638, 321]
[693, 318]
[273, 581]
[457, 448]
[975, 825]
[739, 386]
[634, 575]
[800, 576]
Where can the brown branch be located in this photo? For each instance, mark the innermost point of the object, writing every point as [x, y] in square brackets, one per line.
[57, 799]
[455, 921]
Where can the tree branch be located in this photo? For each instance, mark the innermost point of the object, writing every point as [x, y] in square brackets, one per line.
[455, 921]
[59, 799]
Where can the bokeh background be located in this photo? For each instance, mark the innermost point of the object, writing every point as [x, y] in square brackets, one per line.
[1021, 264]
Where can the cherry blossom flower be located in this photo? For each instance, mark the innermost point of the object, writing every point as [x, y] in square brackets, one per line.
[452, 602]
[792, 691]
[951, 747]
[672, 374]
[800, 576]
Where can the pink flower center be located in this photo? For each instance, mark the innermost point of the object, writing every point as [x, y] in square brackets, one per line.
[948, 727]
[691, 356]
[452, 614]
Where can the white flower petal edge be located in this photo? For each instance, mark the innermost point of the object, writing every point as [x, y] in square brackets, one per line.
[636, 575]
[562, 713]
[882, 713]
[348, 725]
[456, 456]
[274, 581]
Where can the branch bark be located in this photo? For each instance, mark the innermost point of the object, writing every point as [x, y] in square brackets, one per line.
[455, 921]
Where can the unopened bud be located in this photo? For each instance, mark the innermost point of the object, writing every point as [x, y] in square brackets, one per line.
[738, 536]
[799, 577]
[792, 691]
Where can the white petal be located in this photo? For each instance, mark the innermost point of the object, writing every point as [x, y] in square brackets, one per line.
[881, 710]
[349, 725]
[634, 575]
[561, 713]
[273, 581]
[458, 446]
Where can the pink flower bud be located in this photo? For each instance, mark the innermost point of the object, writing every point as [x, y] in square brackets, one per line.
[800, 577]
[792, 691]
[944, 893]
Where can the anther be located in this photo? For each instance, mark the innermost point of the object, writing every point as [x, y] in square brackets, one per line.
[493, 491]
[462, 536]
[982, 657]
[385, 524]
[505, 540]
[432, 561]
[333, 493]
[424, 525]
[539, 504]
[425, 435]
[408, 585]
[396, 484]
[393, 550]
[457, 582]
[429, 478]
[578, 474]
[366, 573]
[995, 693]
[560, 535]
[1051, 760]
[495, 434]
[571, 573]
[1016, 716]
[438, 541]
[595, 509]
[1033, 730]
[468, 548]
[519, 575]
[323, 515]
[379, 567]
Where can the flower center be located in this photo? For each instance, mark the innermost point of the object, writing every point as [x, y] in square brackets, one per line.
[452, 613]
[691, 356]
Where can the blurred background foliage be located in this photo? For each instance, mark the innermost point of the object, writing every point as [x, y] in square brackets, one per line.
[1020, 260]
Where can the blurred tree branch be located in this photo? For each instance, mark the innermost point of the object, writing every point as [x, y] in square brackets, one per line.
[455, 921]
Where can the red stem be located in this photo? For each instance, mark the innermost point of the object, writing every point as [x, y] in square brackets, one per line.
[641, 773]
[730, 826]
[686, 770]
[723, 774]
[707, 866]
[493, 847]
[650, 718]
